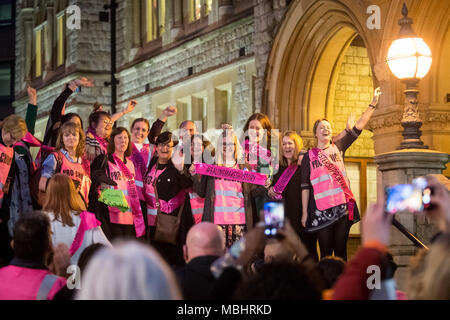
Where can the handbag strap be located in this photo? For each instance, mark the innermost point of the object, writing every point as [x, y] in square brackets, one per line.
[158, 211]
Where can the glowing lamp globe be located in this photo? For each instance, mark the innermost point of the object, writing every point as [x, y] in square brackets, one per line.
[409, 58]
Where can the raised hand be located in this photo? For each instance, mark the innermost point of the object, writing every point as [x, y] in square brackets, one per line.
[376, 96]
[170, 111]
[351, 121]
[178, 158]
[85, 82]
[130, 106]
[32, 95]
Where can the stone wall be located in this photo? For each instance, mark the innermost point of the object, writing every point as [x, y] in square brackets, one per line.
[352, 95]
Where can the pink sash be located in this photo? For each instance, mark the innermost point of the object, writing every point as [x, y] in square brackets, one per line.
[172, 204]
[255, 150]
[138, 218]
[284, 180]
[88, 222]
[336, 174]
[230, 173]
[103, 143]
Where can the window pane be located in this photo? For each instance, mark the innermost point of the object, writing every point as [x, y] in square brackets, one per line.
[38, 55]
[195, 8]
[162, 17]
[60, 59]
[5, 13]
[5, 80]
[208, 6]
[152, 20]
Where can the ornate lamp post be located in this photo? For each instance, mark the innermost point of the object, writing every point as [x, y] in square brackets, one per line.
[409, 59]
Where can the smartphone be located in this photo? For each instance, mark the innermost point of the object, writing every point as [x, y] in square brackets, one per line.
[273, 217]
[414, 197]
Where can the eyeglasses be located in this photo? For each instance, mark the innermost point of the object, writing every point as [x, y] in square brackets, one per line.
[165, 145]
[108, 122]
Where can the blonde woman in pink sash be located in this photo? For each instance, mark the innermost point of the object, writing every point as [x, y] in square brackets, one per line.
[227, 202]
[286, 186]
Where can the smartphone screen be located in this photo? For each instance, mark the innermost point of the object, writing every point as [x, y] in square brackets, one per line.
[273, 217]
[413, 197]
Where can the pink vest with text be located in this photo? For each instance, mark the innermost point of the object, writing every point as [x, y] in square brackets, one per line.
[18, 283]
[327, 192]
[115, 215]
[76, 172]
[229, 205]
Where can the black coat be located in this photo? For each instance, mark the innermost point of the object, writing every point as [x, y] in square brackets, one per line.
[195, 278]
[169, 184]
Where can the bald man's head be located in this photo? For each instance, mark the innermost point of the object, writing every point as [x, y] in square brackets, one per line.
[204, 239]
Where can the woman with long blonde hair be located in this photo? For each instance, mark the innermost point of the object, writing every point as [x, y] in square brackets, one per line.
[66, 215]
[227, 202]
[286, 186]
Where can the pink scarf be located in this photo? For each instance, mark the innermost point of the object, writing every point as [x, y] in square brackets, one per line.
[138, 218]
[88, 222]
[283, 181]
[103, 143]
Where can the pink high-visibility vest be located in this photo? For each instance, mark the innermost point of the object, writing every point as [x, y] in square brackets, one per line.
[150, 197]
[141, 159]
[76, 172]
[197, 205]
[115, 215]
[6, 157]
[18, 283]
[327, 192]
[229, 207]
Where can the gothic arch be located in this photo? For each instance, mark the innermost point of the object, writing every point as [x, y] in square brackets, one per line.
[306, 52]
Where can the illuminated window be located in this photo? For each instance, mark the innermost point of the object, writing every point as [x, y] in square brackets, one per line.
[208, 6]
[38, 52]
[155, 15]
[195, 9]
[60, 39]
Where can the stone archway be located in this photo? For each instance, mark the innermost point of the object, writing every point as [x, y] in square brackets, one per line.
[305, 57]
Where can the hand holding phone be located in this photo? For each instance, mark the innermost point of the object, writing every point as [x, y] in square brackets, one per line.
[273, 218]
[414, 197]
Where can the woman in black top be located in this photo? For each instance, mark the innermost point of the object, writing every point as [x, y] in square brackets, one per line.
[291, 154]
[168, 174]
[332, 225]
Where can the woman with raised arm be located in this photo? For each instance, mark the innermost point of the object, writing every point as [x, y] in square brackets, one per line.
[328, 204]
[166, 184]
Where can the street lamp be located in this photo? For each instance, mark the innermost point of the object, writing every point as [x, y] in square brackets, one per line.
[409, 59]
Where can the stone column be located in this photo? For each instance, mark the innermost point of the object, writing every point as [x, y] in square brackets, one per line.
[225, 8]
[177, 16]
[401, 167]
[27, 16]
[50, 33]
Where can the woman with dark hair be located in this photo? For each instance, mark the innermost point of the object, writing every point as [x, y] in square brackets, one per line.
[115, 170]
[328, 205]
[260, 154]
[165, 183]
[100, 127]
[141, 153]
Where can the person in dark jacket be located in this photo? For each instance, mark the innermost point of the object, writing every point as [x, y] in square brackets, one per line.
[165, 186]
[204, 245]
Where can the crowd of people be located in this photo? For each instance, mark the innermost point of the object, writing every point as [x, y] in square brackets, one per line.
[158, 220]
